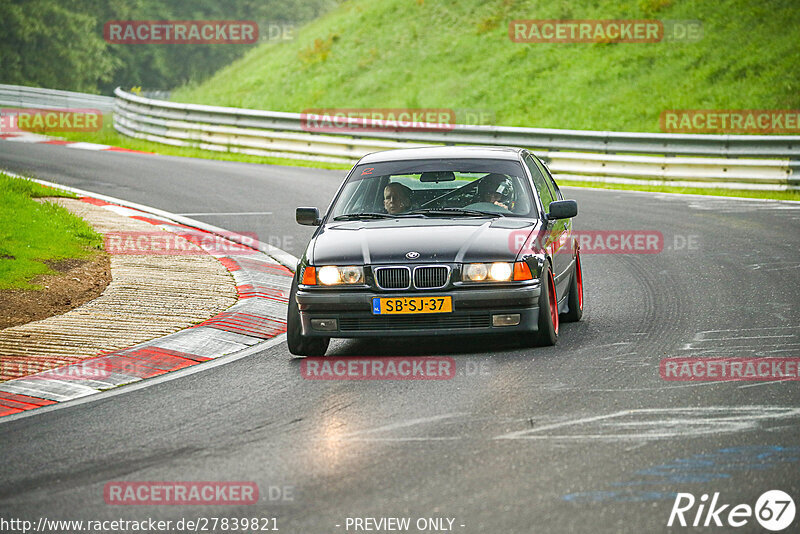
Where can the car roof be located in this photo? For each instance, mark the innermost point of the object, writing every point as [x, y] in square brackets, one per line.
[436, 152]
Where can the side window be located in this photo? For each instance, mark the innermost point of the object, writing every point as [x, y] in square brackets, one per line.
[540, 183]
[549, 179]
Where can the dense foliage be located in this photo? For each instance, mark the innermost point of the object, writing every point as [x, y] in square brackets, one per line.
[59, 43]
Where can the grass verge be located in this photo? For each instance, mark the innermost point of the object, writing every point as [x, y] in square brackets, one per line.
[458, 55]
[33, 233]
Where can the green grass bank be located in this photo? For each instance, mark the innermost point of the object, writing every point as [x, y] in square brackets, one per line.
[33, 233]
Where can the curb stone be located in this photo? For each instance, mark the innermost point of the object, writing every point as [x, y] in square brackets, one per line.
[262, 284]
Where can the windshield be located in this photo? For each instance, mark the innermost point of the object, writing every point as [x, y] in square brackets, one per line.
[453, 188]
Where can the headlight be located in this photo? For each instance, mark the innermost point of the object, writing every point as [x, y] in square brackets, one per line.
[495, 272]
[332, 275]
[500, 271]
[475, 272]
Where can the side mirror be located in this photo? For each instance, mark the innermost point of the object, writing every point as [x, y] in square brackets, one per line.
[308, 216]
[562, 209]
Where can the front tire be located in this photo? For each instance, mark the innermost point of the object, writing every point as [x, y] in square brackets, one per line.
[301, 345]
[547, 334]
[575, 297]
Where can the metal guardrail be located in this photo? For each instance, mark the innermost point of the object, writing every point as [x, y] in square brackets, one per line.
[730, 161]
[20, 96]
[723, 161]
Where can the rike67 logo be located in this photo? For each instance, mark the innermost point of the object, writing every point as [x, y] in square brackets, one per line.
[774, 510]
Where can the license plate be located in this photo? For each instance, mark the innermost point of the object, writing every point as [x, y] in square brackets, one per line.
[394, 305]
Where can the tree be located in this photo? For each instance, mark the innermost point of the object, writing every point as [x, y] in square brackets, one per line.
[59, 43]
[43, 43]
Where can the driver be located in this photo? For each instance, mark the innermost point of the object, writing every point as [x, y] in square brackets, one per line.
[396, 198]
[492, 188]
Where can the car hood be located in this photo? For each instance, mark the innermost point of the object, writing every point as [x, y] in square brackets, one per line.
[436, 240]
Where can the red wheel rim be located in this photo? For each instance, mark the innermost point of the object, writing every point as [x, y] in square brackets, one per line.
[580, 281]
[553, 303]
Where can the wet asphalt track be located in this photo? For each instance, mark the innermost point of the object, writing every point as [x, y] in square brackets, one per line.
[581, 437]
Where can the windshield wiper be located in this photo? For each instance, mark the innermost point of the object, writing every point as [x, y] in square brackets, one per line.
[365, 215]
[454, 211]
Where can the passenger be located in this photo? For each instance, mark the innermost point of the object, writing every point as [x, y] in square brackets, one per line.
[396, 198]
[492, 188]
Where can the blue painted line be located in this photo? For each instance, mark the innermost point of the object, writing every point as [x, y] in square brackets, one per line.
[697, 469]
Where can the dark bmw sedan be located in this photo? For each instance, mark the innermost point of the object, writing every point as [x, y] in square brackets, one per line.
[436, 241]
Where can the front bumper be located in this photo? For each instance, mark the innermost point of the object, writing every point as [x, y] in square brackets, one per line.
[473, 308]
